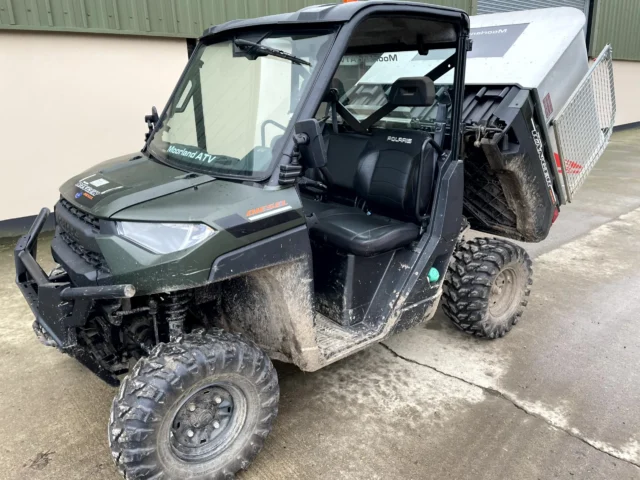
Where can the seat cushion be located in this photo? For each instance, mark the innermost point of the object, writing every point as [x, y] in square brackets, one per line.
[351, 229]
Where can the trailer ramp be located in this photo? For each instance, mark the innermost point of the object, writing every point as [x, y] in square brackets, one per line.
[584, 125]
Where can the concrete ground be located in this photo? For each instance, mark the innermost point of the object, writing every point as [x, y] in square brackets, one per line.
[556, 398]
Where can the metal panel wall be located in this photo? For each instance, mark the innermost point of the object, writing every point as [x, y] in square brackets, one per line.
[494, 6]
[466, 5]
[616, 22]
[167, 18]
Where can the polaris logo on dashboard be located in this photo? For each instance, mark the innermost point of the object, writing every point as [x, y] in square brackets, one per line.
[400, 140]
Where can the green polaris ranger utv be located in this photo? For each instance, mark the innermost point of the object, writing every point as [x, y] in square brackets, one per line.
[303, 195]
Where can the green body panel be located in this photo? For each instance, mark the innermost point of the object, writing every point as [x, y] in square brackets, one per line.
[153, 192]
[205, 204]
[140, 178]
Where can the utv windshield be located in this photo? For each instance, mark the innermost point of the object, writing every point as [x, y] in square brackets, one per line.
[235, 102]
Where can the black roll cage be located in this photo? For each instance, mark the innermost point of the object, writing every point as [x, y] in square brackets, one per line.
[324, 73]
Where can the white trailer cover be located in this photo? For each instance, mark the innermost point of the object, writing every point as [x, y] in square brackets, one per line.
[542, 49]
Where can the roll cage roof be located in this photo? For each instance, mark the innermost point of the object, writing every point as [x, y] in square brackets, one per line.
[328, 14]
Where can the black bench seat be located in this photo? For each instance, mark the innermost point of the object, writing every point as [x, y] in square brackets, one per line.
[380, 169]
[352, 230]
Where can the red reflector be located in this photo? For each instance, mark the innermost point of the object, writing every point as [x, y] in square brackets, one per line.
[571, 166]
[555, 215]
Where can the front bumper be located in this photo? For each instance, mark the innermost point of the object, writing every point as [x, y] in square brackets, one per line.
[59, 306]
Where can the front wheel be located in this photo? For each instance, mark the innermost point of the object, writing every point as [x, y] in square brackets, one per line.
[200, 408]
[486, 286]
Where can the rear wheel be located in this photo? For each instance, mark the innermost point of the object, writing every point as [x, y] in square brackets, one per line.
[199, 408]
[486, 286]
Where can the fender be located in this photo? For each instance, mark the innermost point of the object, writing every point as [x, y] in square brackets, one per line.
[282, 248]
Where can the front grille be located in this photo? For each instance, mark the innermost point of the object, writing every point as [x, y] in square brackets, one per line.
[84, 216]
[95, 259]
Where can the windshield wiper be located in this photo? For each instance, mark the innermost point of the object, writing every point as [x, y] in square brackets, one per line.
[256, 49]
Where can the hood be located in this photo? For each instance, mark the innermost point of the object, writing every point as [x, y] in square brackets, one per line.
[123, 182]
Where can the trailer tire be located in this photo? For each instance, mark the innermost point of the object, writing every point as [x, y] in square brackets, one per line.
[198, 408]
[486, 286]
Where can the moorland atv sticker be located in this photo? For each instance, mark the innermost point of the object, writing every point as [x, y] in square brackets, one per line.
[184, 152]
[491, 42]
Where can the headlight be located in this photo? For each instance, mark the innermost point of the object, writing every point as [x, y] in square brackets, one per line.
[165, 237]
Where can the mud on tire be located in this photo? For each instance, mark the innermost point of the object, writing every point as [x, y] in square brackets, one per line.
[486, 286]
[145, 435]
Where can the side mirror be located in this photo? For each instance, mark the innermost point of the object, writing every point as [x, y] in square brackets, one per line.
[308, 138]
[412, 92]
[151, 120]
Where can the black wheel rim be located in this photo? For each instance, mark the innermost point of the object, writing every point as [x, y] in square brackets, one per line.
[207, 422]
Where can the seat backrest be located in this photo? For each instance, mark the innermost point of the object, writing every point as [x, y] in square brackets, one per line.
[381, 168]
[344, 151]
[387, 175]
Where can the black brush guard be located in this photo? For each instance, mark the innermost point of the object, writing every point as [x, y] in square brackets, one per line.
[58, 306]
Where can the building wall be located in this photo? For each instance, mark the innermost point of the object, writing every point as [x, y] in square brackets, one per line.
[616, 22]
[166, 18]
[626, 76]
[72, 100]
[495, 6]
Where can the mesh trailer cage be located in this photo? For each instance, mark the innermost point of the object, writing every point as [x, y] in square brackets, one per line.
[584, 125]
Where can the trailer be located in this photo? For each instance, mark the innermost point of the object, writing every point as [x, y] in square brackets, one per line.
[537, 113]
